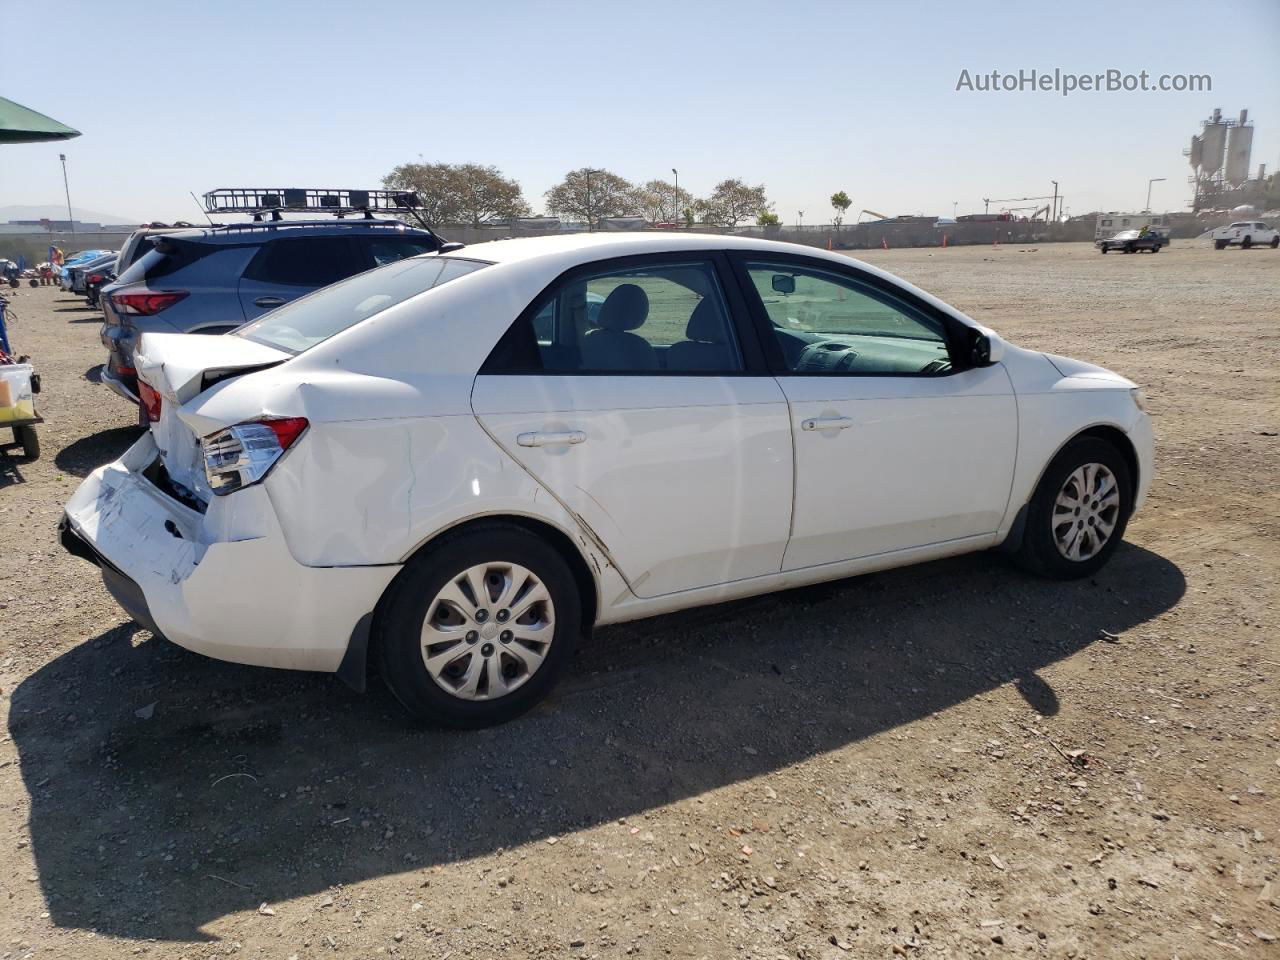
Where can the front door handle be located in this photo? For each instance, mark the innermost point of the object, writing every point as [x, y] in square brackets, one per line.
[269, 302]
[551, 439]
[826, 423]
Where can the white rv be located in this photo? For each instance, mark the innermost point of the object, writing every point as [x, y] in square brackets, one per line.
[1109, 224]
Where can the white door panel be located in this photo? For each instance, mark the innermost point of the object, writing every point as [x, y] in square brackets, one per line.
[686, 480]
[888, 463]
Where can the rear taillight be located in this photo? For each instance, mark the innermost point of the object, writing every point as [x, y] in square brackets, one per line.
[242, 455]
[95, 278]
[145, 303]
[150, 400]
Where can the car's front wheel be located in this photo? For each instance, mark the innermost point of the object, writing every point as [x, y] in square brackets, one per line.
[476, 627]
[1078, 513]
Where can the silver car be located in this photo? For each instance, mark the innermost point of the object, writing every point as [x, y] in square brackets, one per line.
[212, 279]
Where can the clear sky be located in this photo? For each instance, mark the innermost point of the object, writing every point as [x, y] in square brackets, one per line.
[804, 96]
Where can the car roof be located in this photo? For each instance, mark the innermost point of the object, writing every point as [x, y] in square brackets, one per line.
[588, 247]
[251, 233]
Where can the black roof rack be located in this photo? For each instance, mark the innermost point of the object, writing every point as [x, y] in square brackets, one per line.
[276, 200]
[264, 202]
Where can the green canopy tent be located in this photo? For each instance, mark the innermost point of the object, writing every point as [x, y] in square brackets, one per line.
[21, 125]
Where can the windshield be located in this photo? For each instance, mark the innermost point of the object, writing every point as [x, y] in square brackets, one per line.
[1125, 235]
[300, 325]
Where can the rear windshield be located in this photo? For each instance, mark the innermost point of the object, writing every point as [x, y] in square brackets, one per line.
[153, 265]
[300, 325]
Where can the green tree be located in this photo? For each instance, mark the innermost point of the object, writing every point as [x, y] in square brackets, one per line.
[840, 202]
[731, 202]
[589, 195]
[485, 194]
[660, 201]
[459, 193]
[767, 219]
[435, 186]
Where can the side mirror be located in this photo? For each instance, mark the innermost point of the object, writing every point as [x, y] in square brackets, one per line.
[784, 283]
[985, 349]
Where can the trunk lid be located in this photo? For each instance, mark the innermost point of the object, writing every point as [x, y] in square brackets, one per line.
[180, 367]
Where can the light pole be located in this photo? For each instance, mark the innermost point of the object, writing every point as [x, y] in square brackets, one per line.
[955, 205]
[1055, 200]
[800, 226]
[1147, 208]
[71, 220]
[591, 224]
[676, 200]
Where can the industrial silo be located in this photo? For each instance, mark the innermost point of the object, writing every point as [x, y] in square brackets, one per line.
[1213, 144]
[1239, 150]
[1194, 154]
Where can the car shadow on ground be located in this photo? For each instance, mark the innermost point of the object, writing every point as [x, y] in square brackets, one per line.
[167, 790]
[83, 456]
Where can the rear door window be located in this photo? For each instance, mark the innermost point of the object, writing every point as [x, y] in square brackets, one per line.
[306, 261]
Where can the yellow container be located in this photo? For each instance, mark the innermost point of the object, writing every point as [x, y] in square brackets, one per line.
[16, 400]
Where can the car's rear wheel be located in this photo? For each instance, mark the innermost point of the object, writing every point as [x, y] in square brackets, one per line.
[1219, 244]
[476, 628]
[1078, 513]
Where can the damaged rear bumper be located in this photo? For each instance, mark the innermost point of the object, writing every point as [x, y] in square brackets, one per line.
[222, 583]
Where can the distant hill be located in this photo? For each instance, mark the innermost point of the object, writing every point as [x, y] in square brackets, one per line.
[51, 211]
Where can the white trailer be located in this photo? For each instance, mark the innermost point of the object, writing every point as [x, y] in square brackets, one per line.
[1109, 224]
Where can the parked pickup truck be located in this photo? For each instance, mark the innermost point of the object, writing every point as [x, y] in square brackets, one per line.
[1245, 234]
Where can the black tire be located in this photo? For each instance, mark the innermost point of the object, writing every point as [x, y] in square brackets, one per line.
[27, 438]
[1246, 243]
[1104, 248]
[1129, 248]
[1156, 248]
[1039, 551]
[1219, 244]
[398, 629]
[1275, 241]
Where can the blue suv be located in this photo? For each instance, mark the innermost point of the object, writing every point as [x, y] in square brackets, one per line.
[212, 279]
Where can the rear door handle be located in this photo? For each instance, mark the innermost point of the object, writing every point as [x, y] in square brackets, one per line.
[826, 423]
[269, 302]
[562, 438]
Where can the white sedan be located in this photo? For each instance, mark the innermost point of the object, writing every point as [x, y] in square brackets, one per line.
[460, 463]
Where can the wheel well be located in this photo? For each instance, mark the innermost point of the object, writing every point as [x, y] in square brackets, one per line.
[1118, 439]
[1112, 435]
[557, 538]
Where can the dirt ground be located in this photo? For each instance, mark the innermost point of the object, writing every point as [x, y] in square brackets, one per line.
[875, 768]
